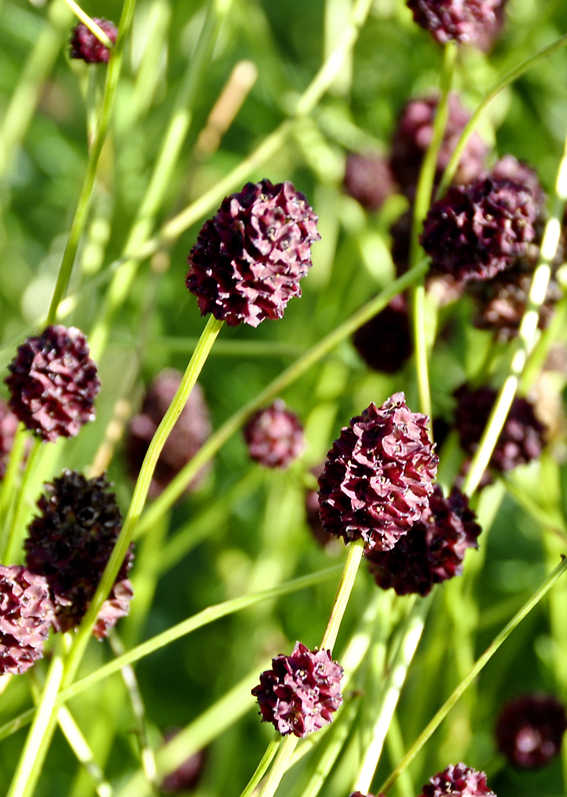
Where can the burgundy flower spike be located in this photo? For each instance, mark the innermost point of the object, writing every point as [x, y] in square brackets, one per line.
[274, 436]
[249, 258]
[458, 781]
[87, 47]
[301, 692]
[530, 730]
[378, 475]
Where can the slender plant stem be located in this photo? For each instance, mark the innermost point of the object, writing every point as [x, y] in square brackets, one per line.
[90, 23]
[281, 763]
[83, 752]
[8, 487]
[263, 765]
[474, 672]
[13, 537]
[354, 558]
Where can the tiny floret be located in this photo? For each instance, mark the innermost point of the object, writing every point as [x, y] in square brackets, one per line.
[26, 615]
[249, 258]
[86, 46]
[458, 781]
[530, 730]
[53, 383]
[301, 692]
[463, 21]
[378, 475]
[274, 436]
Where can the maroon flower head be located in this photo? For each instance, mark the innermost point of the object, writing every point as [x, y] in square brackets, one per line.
[8, 428]
[510, 168]
[413, 135]
[385, 342]
[477, 230]
[26, 615]
[190, 432]
[368, 179]
[462, 21]
[249, 258]
[301, 692]
[187, 775]
[53, 383]
[530, 730]
[521, 439]
[433, 549]
[378, 475]
[87, 47]
[457, 780]
[70, 543]
[274, 436]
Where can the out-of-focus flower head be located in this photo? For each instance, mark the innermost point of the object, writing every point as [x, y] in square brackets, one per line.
[8, 428]
[368, 179]
[530, 730]
[87, 47]
[463, 21]
[385, 342]
[274, 436]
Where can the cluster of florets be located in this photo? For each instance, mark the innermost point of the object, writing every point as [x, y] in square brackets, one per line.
[86, 46]
[249, 258]
[301, 692]
[457, 780]
[26, 615]
[70, 543]
[53, 383]
[463, 21]
[274, 436]
[378, 475]
[432, 551]
[385, 342]
[190, 432]
[530, 729]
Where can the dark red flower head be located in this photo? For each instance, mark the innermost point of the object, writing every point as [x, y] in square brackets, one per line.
[187, 775]
[190, 432]
[301, 692]
[274, 436]
[378, 475]
[26, 615]
[457, 780]
[70, 543]
[413, 135]
[53, 383]
[432, 551]
[368, 179]
[87, 47]
[249, 258]
[462, 21]
[530, 730]
[477, 230]
[8, 428]
[385, 342]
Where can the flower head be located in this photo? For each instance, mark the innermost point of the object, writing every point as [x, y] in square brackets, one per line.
[462, 21]
[26, 615]
[368, 179]
[249, 258]
[530, 730]
[432, 551]
[187, 775]
[8, 428]
[457, 780]
[190, 432]
[385, 342]
[70, 543]
[301, 692]
[87, 47]
[53, 383]
[274, 436]
[378, 475]
[477, 230]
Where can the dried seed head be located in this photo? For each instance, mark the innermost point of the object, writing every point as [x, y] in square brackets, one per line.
[530, 730]
[87, 47]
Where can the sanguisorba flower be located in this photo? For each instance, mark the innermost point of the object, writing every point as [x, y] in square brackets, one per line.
[477, 230]
[53, 383]
[301, 692]
[70, 542]
[432, 551]
[26, 615]
[462, 21]
[368, 179]
[457, 780]
[274, 436]
[530, 730]
[249, 258]
[378, 475]
[86, 46]
[385, 342]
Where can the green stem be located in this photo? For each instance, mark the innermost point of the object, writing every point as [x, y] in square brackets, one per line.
[280, 765]
[83, 752]
[354, 558]
[263, 765]
[8, 488]
[474, 672]
[90, 23]
[13, 538]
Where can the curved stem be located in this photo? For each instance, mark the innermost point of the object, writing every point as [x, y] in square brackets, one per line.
[263, 765]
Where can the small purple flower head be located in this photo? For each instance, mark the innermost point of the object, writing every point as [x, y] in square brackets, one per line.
[70, 543]
[190, 432]
[413, 135]
[368, 179]
[530, 730]
[274, 436]
[249, 258]
[462, 21]
[378, 475]
[87, 47]
[477, 230]
[385, 342]
[8, 428]
[301, 692]
[457, 780]
[53, 383]
[26, 615]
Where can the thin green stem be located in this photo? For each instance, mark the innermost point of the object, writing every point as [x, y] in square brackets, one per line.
[83, 752]
[354, 558]
[13, 538]
[90, 23]
[474, 672]
[280, 765]
[8, 487]
[263, 765]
